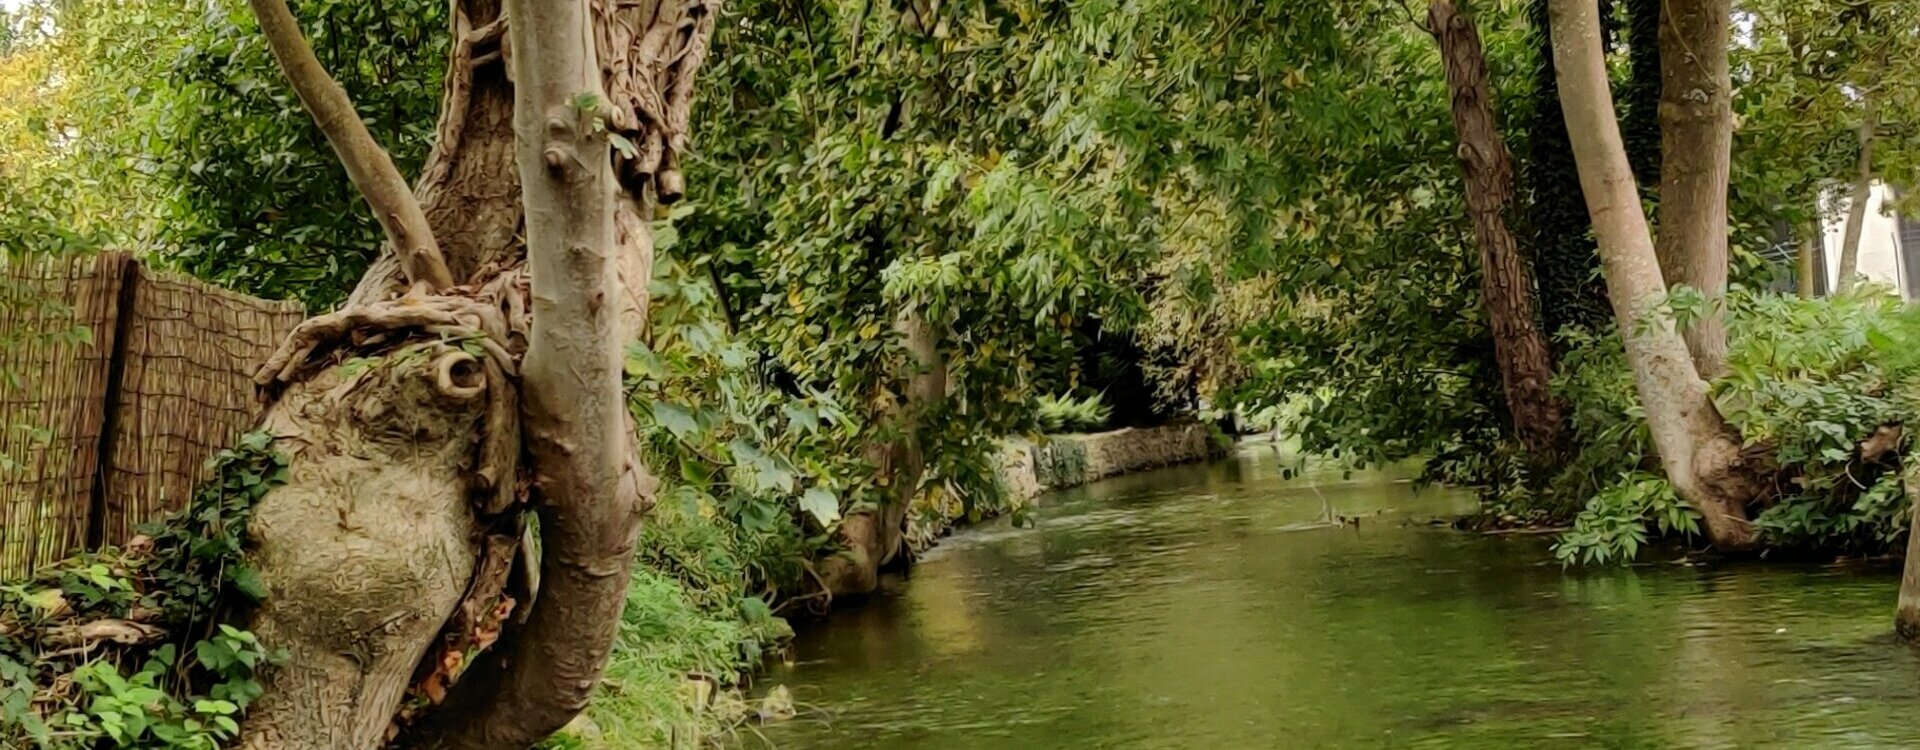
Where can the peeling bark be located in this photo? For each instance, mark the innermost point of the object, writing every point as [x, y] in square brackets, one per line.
[467, 189]
[1506, 288]
[1702, 456]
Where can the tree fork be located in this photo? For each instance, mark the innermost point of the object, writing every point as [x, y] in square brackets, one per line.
[1506, 288]
[1702, 456]
[537, 154]
[587, 489]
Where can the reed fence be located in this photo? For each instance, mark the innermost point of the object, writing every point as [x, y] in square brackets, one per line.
[117, 382]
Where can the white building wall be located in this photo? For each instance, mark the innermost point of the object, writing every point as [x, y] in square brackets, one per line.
[1879, 243]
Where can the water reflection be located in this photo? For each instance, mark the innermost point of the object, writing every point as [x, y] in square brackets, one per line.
[1215, 607]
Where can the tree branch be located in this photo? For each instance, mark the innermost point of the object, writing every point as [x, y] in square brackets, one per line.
[367, 164]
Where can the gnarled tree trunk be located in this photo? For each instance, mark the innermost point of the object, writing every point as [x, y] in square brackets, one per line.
[1701, 455]
[1506, 290]
[414, 460]
[379, 464]
[1696, 142]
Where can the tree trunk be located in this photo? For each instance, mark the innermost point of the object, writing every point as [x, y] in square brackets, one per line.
[1857, 200]
[574, 413]
[1556, 226]
[1906, 617]
[1506, 290]
[1701, 455]
[1805, 282]
[926, 389]
[367, 547]
[414, 462]
[876, 537]
[1696, 127]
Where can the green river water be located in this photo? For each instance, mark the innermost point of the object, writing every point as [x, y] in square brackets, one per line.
[1210, 607]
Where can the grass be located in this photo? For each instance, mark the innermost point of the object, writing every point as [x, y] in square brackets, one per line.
[688, 640]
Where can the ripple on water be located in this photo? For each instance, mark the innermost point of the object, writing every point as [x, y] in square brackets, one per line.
[1188, 609]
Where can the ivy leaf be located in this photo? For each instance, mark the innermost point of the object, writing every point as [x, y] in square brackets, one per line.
[823, 504]
[802, 416]
[625, 147]
[247, 581]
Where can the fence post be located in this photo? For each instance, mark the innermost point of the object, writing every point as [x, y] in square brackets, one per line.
[121, 267]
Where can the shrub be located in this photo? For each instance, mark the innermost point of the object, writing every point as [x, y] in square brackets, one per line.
[1067, 414]
[1808, 380]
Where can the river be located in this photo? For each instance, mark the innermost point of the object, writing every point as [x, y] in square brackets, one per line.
[1212, 607]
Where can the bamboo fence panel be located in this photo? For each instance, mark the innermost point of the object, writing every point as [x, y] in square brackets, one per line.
[186, 391]
[162, 382]
[53, 400]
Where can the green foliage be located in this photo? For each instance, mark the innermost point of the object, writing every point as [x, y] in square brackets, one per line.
[178, 579]
[1067, 414]
[1810, 72]
[880, 167]
[1809, 380]
[80, 107]
[138, 711]
[1374, 326]
[771, 472]
[165, 126]
[261, 202]
[677, 643]
[752, 481]
[203, 543]
[1609, 429]
[1615, 523]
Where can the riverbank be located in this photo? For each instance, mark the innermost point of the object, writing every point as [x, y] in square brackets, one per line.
[674, 678]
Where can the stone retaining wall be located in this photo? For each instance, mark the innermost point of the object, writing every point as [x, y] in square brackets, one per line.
[1028, 469]
[1072, 460]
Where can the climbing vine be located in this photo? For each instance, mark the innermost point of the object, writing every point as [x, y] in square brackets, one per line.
[126, 647]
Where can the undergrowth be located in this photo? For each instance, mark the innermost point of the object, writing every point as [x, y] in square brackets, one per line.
[1808, 380]
[173, 676]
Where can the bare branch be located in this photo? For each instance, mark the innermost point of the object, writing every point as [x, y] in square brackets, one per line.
[367, 164]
